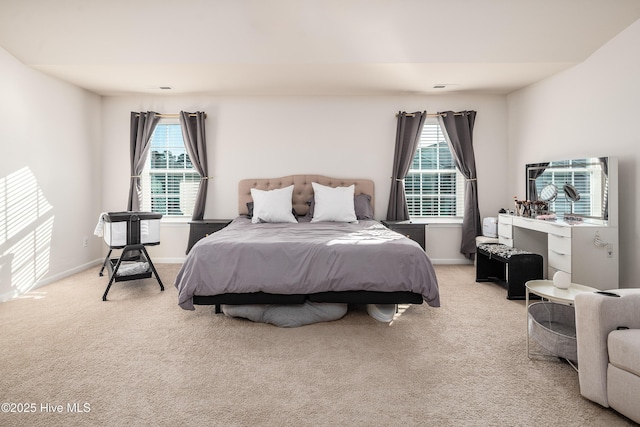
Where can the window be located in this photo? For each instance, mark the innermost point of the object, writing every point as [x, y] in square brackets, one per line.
[169, 181]
[434, 187]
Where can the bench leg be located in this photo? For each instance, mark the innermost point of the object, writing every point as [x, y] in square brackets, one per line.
[488, 269]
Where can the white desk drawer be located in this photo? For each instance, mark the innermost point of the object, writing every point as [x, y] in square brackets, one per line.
[549, 227]
[553, 228]
[559, 244]
[559, 260]
[505, 230]
[505, 241]
[505, 219]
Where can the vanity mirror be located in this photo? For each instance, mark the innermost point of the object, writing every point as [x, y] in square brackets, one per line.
[584, 182]
[549, 193]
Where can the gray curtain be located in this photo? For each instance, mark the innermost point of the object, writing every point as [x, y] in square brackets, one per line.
[407, 138]
[458, 129]
[142, 126]
[196, 143]
[532, 190]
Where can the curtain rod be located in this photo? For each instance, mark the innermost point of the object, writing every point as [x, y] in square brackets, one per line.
[432, 115]
[173, 115]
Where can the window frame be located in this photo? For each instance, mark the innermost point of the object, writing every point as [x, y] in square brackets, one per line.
[147, 173]
[433, 134]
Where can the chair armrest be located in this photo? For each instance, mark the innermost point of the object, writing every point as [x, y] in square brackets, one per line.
[596, 316]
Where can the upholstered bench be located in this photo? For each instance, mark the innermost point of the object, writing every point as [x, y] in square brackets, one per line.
[509, 266]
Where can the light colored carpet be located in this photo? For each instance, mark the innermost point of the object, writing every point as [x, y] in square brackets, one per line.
[138, 359]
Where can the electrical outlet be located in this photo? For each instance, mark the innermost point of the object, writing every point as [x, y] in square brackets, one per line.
[85, 242]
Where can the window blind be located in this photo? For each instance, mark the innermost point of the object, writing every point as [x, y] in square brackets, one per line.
[434, 187]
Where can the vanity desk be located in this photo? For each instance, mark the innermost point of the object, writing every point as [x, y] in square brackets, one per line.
[572, 220]
[587, 251]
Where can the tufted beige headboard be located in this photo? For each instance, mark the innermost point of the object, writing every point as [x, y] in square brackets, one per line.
[302, 190]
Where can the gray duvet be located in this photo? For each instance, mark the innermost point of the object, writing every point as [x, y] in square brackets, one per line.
[305, 258]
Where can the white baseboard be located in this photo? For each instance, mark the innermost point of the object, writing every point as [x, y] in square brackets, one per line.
[90, 264]
[71, 272]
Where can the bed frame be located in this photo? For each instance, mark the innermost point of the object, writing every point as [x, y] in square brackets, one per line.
[302, 192]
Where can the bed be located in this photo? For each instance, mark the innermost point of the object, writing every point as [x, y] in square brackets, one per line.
[264, 258]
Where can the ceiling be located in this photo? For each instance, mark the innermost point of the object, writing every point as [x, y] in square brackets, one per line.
[307, 47]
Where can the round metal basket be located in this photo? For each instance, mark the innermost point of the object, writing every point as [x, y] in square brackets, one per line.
[553, 327]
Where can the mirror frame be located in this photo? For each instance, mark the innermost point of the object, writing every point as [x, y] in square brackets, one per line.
[553, 189]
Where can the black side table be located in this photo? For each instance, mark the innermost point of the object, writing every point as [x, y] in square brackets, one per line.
[412, 230]
[203, 228]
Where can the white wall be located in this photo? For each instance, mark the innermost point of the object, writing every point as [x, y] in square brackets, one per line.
[66, 151]
[49, 177]
[589, 110]
[276, 136]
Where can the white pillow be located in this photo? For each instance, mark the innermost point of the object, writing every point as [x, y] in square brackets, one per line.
[272, 205]
[333, 204]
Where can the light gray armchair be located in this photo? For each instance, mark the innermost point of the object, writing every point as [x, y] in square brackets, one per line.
[608, 339]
